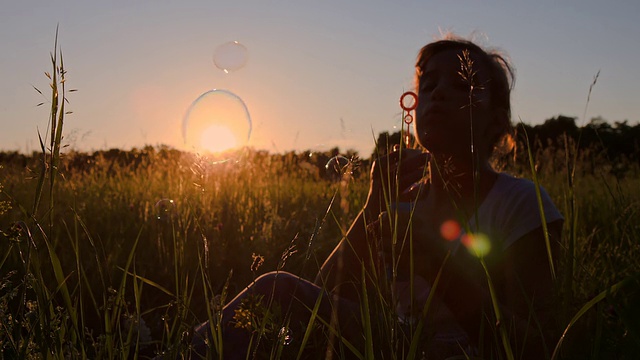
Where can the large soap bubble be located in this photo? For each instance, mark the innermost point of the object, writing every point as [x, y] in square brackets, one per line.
[230, 56]
[216, 121]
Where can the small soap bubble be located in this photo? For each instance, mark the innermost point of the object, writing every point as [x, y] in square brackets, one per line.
[216, 122]
[230, 56]
[337, 167]
[285, 335]
[165, 209]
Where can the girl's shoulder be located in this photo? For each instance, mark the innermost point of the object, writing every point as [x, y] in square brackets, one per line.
[511, 190]
[512, 207]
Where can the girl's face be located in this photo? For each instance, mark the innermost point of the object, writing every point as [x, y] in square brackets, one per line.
[447, 104]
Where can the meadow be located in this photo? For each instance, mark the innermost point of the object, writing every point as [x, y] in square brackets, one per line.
[118, 254]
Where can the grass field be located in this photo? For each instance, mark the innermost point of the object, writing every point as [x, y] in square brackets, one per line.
[148, 240]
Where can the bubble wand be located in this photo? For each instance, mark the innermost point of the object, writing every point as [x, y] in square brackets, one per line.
[408, 103]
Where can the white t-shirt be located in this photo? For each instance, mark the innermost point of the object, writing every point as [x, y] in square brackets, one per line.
[510, 211]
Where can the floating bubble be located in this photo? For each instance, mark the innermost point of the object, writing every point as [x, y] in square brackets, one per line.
[338, 166]
[285, 335]
[165, 209]
[217, 121]
[230, 56]
[478, 244]
[450, 230]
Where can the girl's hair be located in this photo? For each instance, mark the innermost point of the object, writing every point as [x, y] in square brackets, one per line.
[501, 73]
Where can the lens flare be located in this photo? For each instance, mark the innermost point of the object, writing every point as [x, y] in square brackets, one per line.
[450, 230]
[478, 244]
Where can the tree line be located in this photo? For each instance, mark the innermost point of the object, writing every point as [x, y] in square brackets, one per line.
[618, 140]
[617, 143]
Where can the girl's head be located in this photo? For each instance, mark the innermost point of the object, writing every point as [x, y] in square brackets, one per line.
[458, 82]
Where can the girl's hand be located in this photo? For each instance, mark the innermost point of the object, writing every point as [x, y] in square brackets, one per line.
[392, 178]
[400, 238]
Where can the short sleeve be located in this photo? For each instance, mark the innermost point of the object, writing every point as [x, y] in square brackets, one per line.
[511, 210]
[521, 212]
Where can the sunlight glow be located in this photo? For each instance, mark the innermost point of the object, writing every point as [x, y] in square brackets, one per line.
[217, 138]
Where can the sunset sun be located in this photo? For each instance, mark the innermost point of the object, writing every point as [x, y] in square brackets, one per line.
[217, 138]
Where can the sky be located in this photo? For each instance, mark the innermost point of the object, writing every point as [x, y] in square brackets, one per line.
[318, 74]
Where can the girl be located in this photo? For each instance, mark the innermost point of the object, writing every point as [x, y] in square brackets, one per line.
[439, 225]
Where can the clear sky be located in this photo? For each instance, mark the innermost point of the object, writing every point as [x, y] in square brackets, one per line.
[318, 73]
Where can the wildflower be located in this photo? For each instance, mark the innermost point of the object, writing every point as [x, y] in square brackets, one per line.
[258, 260]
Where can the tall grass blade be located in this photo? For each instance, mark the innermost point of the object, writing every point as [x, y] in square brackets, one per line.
[496, 308]
[41, 176]
[61, 284]
[415, 341]
[147, 281]
[366, 319]
[545, 230]
[309, 329]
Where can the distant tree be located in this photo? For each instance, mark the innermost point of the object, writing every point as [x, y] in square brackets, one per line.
[618, 140]
[13, 158]
[615, 145]
[549, 133]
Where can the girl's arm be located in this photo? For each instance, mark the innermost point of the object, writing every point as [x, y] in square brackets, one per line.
[341, 273]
